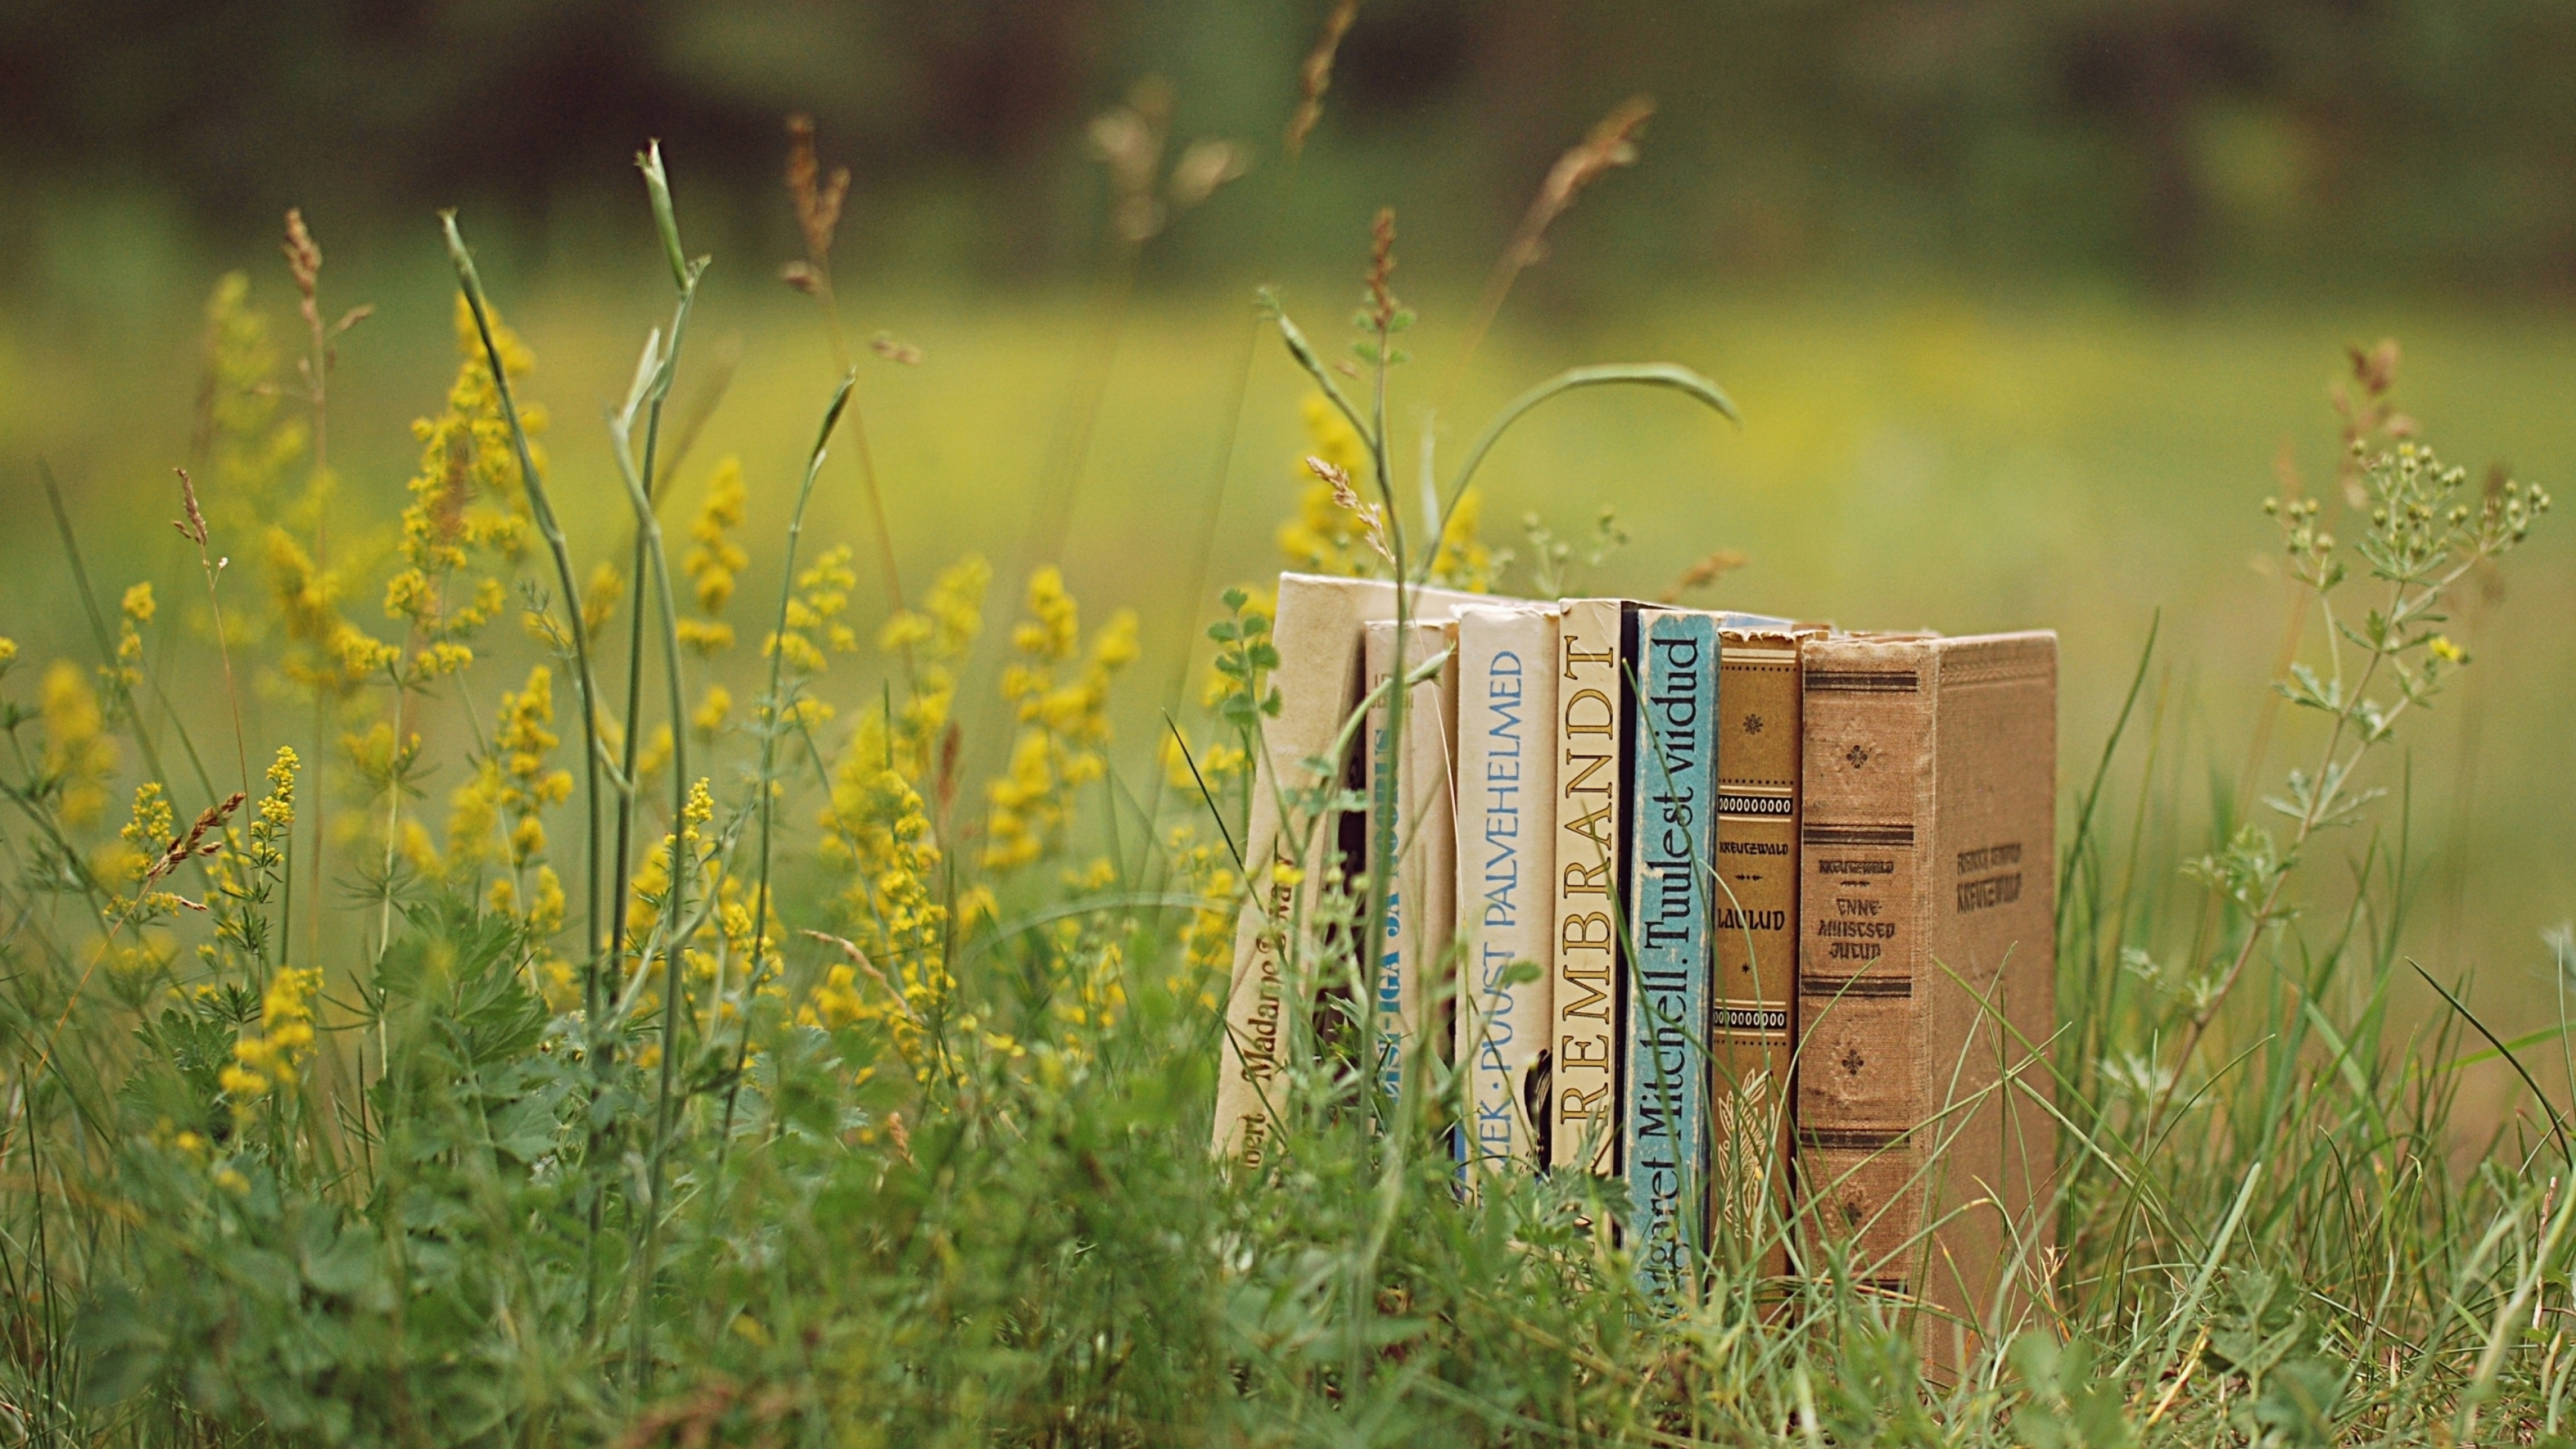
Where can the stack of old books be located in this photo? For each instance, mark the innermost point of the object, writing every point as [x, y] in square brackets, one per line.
[1786, 901]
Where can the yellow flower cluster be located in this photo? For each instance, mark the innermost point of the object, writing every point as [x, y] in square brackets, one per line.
[513, 785]
[882, 832]
[125, 675]
[1462, 560]
[248, 447]
[253, 861]
[1064, 727]
[1087, 988]
[878, 826]
[1207, 937]
[651, 884]
[1322, 537]
[271, 1057]
[814, 611]
[467, 495]
[146, 833]
[714, 560]
[338, 656]
[599, 595]
[931, 640]
[78, 751]
[747, 962]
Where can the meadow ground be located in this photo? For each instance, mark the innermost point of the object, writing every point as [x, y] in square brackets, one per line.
[420, 1196]
[1909, 457]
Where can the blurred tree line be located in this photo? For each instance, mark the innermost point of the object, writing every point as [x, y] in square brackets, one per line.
[2176, 143]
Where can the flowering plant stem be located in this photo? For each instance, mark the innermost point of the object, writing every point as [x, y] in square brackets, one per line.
[775, 717]
[652, 385]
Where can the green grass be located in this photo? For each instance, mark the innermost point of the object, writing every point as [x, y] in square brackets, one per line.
[984, 1211]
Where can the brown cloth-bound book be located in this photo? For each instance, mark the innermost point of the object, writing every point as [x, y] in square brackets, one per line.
[1926, 977]
[1755, 905]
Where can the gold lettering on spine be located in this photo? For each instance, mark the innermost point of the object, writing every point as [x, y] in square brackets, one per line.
[1583, 1094]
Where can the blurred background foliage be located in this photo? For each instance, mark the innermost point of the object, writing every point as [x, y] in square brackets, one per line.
[2171, 144]
[2027, 302]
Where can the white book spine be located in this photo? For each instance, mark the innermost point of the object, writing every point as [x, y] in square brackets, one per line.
[1506, 874]
[1411, 988]
[1317, 633]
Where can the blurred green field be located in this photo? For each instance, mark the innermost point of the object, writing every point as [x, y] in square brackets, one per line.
[1909, 457]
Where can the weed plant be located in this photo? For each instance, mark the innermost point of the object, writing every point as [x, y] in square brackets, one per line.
[813, 1094]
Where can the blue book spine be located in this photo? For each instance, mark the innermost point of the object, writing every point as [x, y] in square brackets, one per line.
[1672, 789]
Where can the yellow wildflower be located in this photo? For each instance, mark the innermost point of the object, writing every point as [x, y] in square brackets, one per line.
[1207, 937]
[712, 711]
[513, 785]
[145, 834]
[1064, 727]
[599, 596]
[879, 828]
[814, 613]
[1463, 561]
[714, 559]
[467, 495]
[337, 655]
[271, 1056]
[933, 639]
[248, 446]
[78, 751]
[1323, 537]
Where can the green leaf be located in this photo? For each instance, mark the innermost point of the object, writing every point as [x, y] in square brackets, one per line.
[1630, 374]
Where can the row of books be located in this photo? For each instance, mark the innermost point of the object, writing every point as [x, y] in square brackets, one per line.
[1789, 895]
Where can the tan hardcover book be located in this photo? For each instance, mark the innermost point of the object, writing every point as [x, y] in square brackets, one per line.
[1507, 670]
[1588, 966]
[1755, 906]
[1317, 634]
[1409, 966]
[1927, 972]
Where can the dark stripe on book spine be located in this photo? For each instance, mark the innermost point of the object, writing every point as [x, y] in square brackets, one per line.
[1893, 834]
[1864, 681]
[1773, 805]
[1859, 986]
[1851, 1139]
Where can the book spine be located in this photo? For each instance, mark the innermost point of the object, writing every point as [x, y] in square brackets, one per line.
[1587, 963]
[1506, 862]
[1316, 631]
[1866, 774]
[1755, 915]
[1990, 1133]
[1672, 790]
[1411, 994]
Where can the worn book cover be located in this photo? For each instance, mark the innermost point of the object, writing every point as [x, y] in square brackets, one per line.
[1754, 910]
[1927, 972]
[1317, 634]
[1588, 962]
[1411, 989]
[1672, 794]
[1506, 866]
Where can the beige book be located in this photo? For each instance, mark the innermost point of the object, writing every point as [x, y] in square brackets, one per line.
[1317, 634]
[1927, 972]
[1409, 965]
[1755, 910]
[1507, 669]
[1588, 967]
